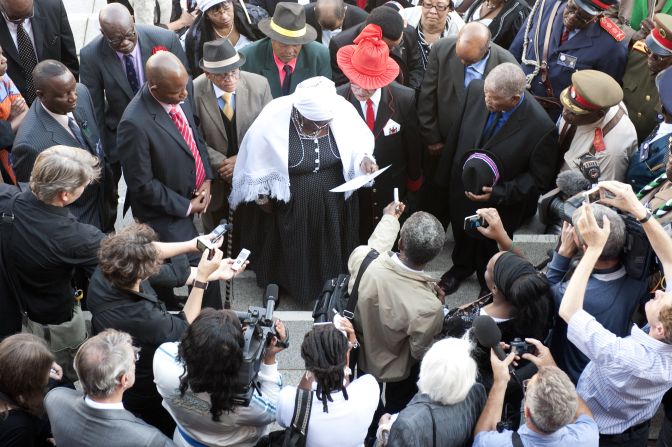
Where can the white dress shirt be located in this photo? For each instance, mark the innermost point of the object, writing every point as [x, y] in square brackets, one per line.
[375, 99]
[27, 25]
[61, 119]
[103, 405]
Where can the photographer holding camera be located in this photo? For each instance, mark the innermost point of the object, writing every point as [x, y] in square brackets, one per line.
[612, 296]
[121, 296]
[199, 377]
[626, 378]
[555, 416]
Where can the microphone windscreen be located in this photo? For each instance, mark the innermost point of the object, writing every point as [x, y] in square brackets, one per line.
[571, 183]
[486, 330]
[272, 292]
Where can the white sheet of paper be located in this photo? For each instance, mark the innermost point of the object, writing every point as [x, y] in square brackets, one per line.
[358, 181]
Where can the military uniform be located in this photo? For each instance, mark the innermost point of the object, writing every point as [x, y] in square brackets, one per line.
[598, 46]
[640, 94]
[657, 197]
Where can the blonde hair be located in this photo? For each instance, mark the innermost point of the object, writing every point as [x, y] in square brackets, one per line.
[665, 318]
[62, 168]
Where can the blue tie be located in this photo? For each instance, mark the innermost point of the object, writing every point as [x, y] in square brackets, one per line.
[131, 74]
[74, 128]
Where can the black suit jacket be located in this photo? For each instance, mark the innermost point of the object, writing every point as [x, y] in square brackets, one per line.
[53, 40]
[104, 75]
[353, 16]
[442, 92]
[158, 166]
[406, 54]
[402, 150]
[527, 145]
[40, 131]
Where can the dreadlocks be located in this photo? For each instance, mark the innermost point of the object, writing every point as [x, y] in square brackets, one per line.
[324, 350]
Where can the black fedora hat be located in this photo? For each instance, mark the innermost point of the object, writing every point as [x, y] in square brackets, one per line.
[219, 56]
[480, 168]
[288, 25]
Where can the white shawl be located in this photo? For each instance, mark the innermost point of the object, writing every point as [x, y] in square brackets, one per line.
[262, 164]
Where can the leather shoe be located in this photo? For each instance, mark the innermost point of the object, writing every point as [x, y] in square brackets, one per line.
[449, 283]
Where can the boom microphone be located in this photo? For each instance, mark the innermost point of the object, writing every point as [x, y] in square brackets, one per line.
[572, 183]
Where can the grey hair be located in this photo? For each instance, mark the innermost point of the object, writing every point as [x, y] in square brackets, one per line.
[616, 240]
[62, 168]
[422, 236]
[551, 399]
[508, 79]
[102, 360]
[448, 371]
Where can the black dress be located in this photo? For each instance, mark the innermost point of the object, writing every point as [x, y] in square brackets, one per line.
[18, 428]
[307, 240]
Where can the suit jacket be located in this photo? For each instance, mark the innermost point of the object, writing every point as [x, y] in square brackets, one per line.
[406, 54]
[402, 149]
[105, 76]
[353, 16]
[439, 107]
[53, 40]
[252, 94]
[158, 166]
[527, 145]
[313, 60]
[593, 48]
[40, 131]
[505, 25]
[76, 424]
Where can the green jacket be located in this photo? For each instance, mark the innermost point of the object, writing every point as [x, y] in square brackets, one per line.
[313, 60]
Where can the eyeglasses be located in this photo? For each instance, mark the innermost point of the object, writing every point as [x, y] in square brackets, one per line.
[119, 40]
[579, 13]
[19, 20]
[228, 76]
[220, 8]
[440, 8]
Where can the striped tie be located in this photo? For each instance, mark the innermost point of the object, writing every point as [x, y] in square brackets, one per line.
[185, 131]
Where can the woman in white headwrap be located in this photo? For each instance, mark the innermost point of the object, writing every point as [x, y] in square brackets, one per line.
[300, 147]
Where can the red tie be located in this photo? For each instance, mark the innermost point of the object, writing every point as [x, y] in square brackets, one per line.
[185, 131]
[370, 117]
[565, 36]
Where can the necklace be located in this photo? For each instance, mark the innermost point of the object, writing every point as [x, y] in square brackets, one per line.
[298, 121]
[227, 34]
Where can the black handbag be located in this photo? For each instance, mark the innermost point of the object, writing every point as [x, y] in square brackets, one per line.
[295, 434]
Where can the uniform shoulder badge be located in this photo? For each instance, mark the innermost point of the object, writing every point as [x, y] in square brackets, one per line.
[613, 29]
[640, 46]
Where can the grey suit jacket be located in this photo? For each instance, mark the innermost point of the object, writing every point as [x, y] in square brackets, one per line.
[40, 131]
[252, 94]
[443, 92]
[106, 79]
[75, 424]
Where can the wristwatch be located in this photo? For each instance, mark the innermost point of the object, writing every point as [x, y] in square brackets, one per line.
[646, 217]
[200, 285]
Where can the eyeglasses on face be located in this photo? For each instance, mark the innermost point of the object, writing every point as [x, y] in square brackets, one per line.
[115, 42]
[17, 20]
[579, 13]
[440, 8]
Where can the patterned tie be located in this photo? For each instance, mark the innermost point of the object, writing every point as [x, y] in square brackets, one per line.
[131, 74]
[288, 79]
[228, 108]
[370, 116]
[185, 131]
[565, 36]
[28, 60]
[74, 128]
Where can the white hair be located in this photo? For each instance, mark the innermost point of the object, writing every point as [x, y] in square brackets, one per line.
[448, 371]
[508, 79]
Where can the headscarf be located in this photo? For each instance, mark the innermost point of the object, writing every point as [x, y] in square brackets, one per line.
[314, 98]
[508, 269]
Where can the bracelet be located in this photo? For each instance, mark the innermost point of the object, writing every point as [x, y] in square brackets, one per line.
[646, 217]
[200, 285]
[513, 244]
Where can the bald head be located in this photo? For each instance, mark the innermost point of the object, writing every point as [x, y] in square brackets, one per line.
[473, 43]
[114, 13]
[330, 13]
[167, 77]
[118, 28]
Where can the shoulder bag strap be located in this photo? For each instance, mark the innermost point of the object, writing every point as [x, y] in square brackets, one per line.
[349, 311]
[303, 403]
[515, 439]
[6, 228]
[431, 414]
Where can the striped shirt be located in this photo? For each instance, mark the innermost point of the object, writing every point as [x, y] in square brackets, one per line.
[242, 427]
[626, 378]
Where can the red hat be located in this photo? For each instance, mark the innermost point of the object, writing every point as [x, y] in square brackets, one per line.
[368, 63]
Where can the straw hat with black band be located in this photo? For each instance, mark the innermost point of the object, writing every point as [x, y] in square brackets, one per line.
[288, 25]
[219, 56]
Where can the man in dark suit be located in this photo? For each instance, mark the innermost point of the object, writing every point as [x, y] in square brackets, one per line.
[31, 32]
[330, 17]
[500, 118]
[453, 63]
[401, 41]
[389, 110]
[62, 115]
[113, 68]
[288, 55]
[165, 160]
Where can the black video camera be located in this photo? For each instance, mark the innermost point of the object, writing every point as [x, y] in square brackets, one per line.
[259, 329]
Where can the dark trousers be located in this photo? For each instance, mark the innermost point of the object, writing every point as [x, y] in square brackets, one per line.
[665, 434]
[636, 436]
[148, 408]
[470, 254]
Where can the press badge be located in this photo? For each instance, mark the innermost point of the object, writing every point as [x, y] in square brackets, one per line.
[567, 60]
[644, 153]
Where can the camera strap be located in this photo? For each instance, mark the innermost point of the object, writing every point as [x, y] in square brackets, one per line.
[515, 439]
[303, 403]
[431, 415]
[349, 311]
[6, 229]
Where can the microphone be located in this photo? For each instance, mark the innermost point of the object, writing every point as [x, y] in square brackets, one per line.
[488, 334]
[270, 298]
[572, 183]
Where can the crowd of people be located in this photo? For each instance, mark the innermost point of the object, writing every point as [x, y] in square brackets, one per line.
[336, 137]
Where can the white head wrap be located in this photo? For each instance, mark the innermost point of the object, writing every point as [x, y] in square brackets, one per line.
[314, 98]
[204, 5]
